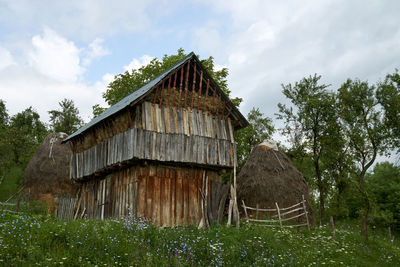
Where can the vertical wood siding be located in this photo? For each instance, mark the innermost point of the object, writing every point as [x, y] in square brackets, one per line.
[168, 196]
[187, 137]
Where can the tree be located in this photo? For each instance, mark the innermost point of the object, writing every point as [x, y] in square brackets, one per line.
[259, 129]
[309, 121]
[3, 115]
[130, 81]
[4, 149]
[366, 133]
[24, 135]
[388, 95]
[66, 120]
[384, 183]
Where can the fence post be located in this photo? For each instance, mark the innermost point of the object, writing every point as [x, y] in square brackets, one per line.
[305, 212]
[279, 213]
[245, 211]
[257, 211]
[391, 239]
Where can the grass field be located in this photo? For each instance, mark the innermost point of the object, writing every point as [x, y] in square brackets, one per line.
[32, 240]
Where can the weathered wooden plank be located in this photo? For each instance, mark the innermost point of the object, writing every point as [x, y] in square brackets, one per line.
[231, 133]
[201, 151]
[141, 202]
[143, 113]
[154, 153]
[174, 120]
[185, 122]
[194, 114]
[200, 124]
[156, 200]
[167, 119]
[162, 119]
[153, 118]
[148, 116]
[179, 198]
[193, 197]
[186, 198]
[162, 151]
[206, 125]
[172, 178]
[180, 127]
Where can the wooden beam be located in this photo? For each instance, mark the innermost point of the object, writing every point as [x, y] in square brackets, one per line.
[180, 87]
[194, 85]
[215, 93]
[201, 84]
[223, 110]
[205, 104]
[186, 83]
[155, 95]
[162, 87]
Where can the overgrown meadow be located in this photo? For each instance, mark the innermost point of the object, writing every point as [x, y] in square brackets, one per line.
[32, 240]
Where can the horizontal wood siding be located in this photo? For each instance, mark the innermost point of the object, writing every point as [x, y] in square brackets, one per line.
[168, 196]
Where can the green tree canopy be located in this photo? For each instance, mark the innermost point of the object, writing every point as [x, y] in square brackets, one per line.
[24, 135]
[366, 133]
[309, 124]
[67, 119]
[384, 183]
[388, 94]
[3, 115]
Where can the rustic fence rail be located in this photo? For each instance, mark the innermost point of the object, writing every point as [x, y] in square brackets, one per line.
[300, 208]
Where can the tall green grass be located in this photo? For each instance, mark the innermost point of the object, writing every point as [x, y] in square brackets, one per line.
[44, 241]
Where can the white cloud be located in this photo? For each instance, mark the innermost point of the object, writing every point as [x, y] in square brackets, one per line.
[95, 51]
[55, 57]
[6, 58]
[138, 63]
[50, 71]
[273, 42]
[86, 19]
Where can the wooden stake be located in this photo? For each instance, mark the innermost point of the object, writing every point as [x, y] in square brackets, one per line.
[257, 211]
[235, 196]
[305, 210]
[230, 212]
[279, 214]
[333, 229]
[391, 239]
[245, 211]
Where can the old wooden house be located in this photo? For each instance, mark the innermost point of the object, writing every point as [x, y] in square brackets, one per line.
[159, 152]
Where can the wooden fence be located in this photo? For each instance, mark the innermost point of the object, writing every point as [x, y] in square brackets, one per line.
[281, 214]
[66, 208]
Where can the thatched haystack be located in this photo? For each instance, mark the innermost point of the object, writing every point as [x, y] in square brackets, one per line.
[269, 176]
[47, 175]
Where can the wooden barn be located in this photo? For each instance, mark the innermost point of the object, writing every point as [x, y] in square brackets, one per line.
[160, 151]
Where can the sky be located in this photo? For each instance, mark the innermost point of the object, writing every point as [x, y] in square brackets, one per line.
[51, 50]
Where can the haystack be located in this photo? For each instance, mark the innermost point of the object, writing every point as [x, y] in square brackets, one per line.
[269, 176]
[46, 177]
